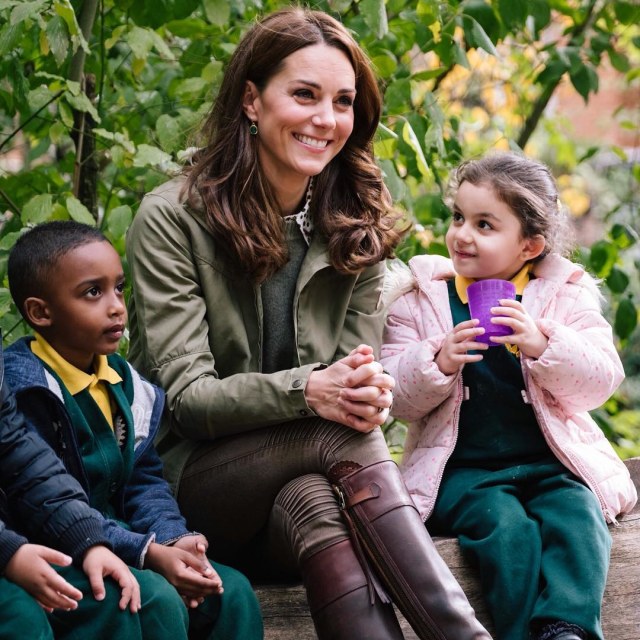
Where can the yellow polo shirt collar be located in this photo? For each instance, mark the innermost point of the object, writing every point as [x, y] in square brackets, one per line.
[520, 280]
[76, 380]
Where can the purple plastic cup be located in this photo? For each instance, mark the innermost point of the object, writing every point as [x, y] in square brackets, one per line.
[484, 294]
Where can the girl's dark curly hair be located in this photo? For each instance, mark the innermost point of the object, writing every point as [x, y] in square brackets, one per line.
[529, 189]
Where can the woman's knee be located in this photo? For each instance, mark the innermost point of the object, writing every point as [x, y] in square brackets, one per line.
[343, 443]
[306, 515]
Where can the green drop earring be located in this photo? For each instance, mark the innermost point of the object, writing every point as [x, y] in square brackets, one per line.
[253, 129]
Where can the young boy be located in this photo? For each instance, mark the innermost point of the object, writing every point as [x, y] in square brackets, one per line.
[46, 503]
[100, 417]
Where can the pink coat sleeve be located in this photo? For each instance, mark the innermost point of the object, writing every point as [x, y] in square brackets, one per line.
[580, 367]
[408, 355]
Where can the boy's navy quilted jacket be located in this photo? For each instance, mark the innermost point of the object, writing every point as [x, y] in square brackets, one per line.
[145, 504]
[39, 498]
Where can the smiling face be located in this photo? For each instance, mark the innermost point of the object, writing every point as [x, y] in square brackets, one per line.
[304, 115]
[84, 313]
[484, 238]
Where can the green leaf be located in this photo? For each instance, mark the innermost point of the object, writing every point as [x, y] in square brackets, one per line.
[65, 114]
[9, 240]
[626, 319]
[541, 13]
[38, 209]
[118, 220]
[156, 13]
[385, 65]
[115, 36]
[161, 46]
[217, 11]
[428, 75]
[212, 72]
[460, 56]
[513, 12]
[409, 136]
[623, 236]
[140, 41]
[5, 301]
[64, 9]
[169, 132]
[602, 258]
[392, 179]
[375, 16]
[627, 12]
[552, 72]
[79, 212]
[589, 153]
[397, 97]
[119, 137]
[191, 87]
[26, 10]
[58, 39]
[147, 155]
[10, 37]
[82, 103]
[385, 149]
[57, 131]
[584, 79]
[38, 97]
[480, 37]
[483, 13]
[619, 61]
[617, 280]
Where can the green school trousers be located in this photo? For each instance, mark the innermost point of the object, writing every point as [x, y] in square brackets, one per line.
[235, 615]
[20, 615]
[163, 615]
[539, 539]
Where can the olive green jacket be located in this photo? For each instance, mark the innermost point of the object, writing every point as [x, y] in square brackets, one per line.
[196, 327]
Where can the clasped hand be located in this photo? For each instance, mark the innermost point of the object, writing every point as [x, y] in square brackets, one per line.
[354, 391]
[185, 565]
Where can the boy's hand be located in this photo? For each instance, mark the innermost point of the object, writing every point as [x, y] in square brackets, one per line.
[30, 568]
[197, 545]
[186, 571]
[526, 335]
[99, 562]
[453, 354]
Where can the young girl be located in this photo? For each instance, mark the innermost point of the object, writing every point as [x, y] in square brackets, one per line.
[501, 451]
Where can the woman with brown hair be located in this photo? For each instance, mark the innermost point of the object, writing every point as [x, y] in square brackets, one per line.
[257, 278]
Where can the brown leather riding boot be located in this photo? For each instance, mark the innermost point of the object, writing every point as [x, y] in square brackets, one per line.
[342, 605]
[381, 514]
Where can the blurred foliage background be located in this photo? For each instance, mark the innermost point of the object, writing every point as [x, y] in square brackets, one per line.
[101, 99]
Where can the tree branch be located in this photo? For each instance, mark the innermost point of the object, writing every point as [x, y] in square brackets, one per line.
[85, 168]
[85, 22]
[33, 116]
[540, 105]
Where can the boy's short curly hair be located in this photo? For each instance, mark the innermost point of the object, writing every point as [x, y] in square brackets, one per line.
[37, 252]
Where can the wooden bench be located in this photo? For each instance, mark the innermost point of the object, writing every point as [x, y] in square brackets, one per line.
[287, 617]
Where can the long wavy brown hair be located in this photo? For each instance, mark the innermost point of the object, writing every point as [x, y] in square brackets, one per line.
[350, 205]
